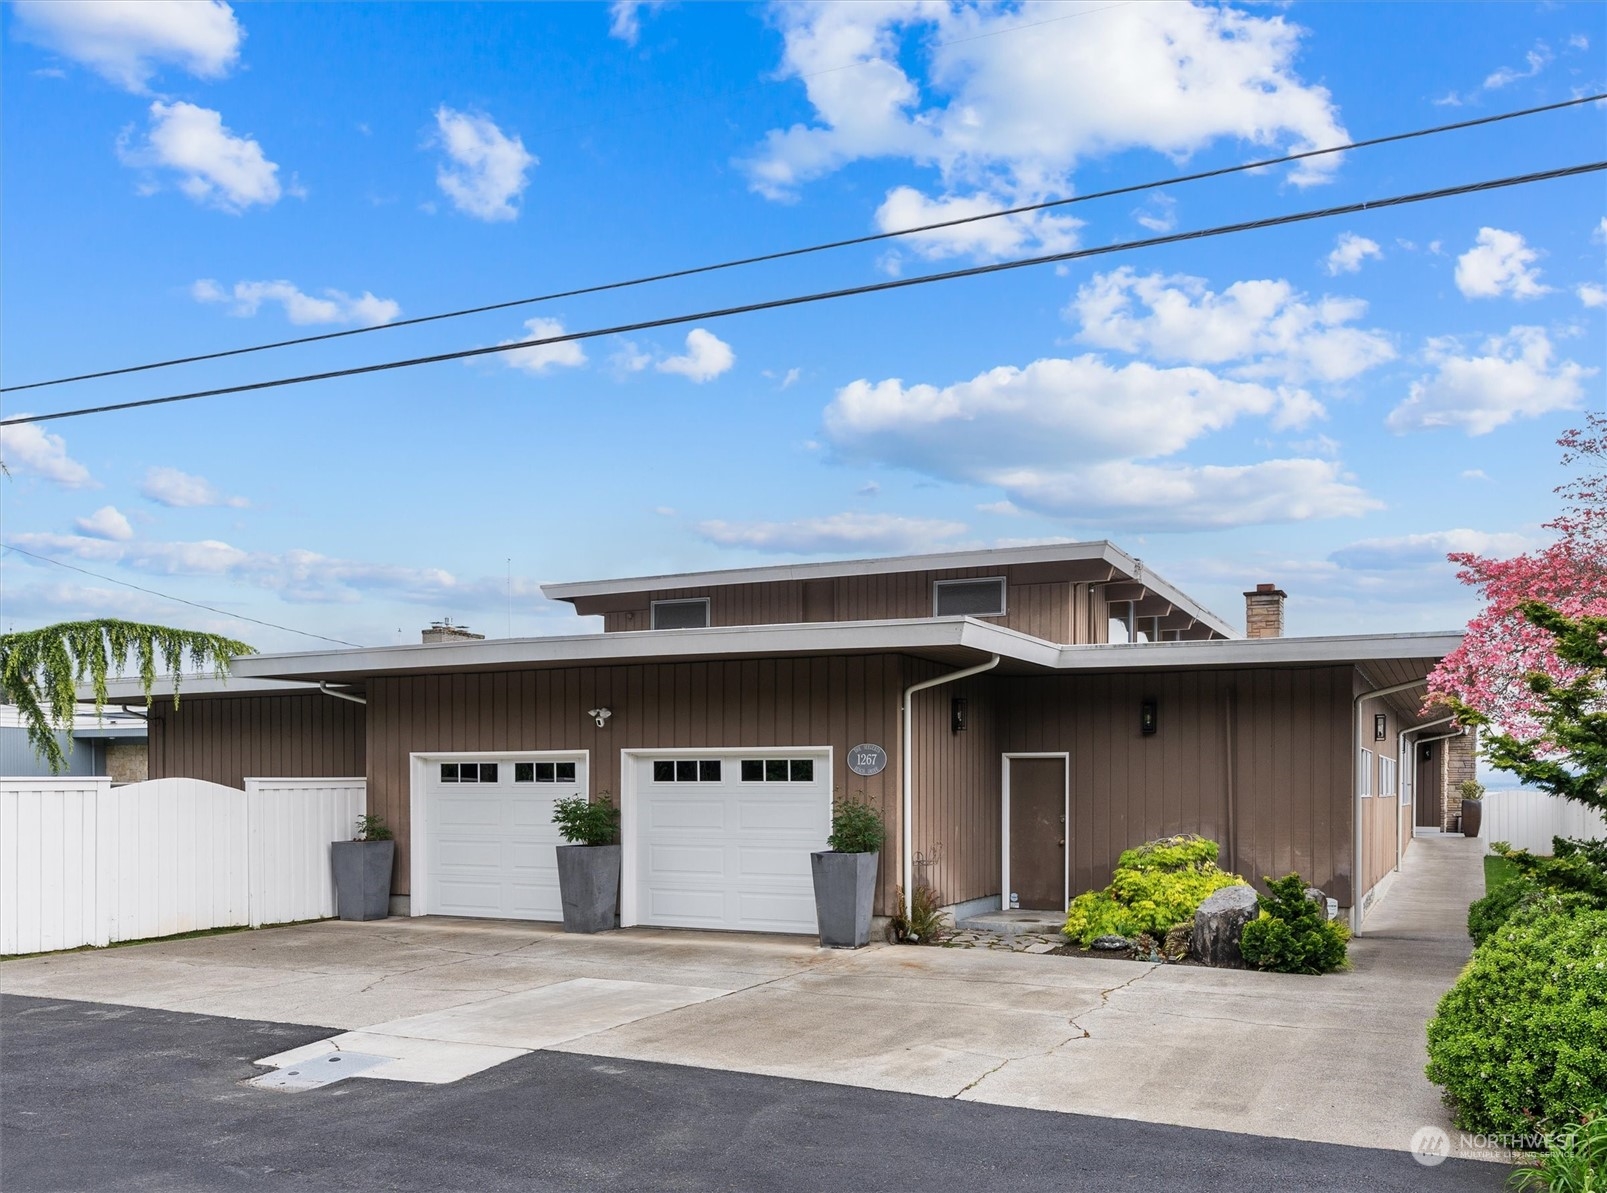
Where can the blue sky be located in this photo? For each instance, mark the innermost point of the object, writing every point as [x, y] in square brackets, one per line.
[1330, 406]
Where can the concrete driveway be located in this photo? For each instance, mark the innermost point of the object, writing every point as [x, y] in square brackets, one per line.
[1337, 1059]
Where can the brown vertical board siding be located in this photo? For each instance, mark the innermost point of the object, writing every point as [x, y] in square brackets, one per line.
[227, 739]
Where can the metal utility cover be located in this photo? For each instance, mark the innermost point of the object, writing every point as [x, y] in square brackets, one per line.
[320, 1071]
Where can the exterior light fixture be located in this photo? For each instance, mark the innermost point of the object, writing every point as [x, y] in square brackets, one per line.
[600, 715]
[1148, 716]
[957, 721]
[1380, 726]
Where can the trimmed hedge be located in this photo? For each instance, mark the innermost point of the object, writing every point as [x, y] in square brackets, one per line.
[1292, 933]
[1156, 885]
[1520, 1042]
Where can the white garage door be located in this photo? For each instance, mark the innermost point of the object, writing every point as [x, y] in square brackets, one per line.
[489, 837]
[722, 839]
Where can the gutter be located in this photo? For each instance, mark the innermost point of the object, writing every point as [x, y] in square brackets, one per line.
[1355, 795]
[906, 852]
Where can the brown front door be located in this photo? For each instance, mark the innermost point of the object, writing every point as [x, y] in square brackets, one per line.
[1038, 832]
[1426, 792]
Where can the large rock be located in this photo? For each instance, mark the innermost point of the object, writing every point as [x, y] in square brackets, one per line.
[1219, 922]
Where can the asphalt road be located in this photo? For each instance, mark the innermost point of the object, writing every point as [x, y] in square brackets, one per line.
[103, 1097]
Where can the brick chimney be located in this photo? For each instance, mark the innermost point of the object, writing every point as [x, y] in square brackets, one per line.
[445, 631]
[1263, 612]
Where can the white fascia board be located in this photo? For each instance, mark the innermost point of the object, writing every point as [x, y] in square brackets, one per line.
[852, 637]
[1254, 652]
[132, 691]
[942, 561]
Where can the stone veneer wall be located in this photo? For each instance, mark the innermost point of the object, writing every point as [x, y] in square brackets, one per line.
[1459, 761]
[128, 761]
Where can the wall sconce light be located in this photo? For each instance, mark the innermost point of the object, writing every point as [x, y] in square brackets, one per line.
[1426, 751]
[957, 715]
[1380, 726]
[1148, 717]
[600, 715]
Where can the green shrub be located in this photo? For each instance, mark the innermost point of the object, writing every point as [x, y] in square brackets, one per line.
[1520, 1042]
[856, 827]
[1293, 934]
[1575, 1159]
[1574, 877]
[583, 823]
[373, 828]
[1155, 886]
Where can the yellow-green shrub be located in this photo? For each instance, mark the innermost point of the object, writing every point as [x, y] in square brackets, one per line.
[1156, 885]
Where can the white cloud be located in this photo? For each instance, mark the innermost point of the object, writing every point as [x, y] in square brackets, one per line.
[625, 18]
[707, 356]
[108, 522]
[1508, 377]
[1159, 213]
[1534, 62]
[127, 41]
[1005, 509]
[567, 354]
[1411, 551]
[790, 378]
[1349, 252]
[216, 167]
[486, 171]
[334, 306]
[834, 533]
[628, 358]
[1266, 326]
[1591, 294]
[906, 207]
[1475, 474]
[1070, 437]
[28, 449]
[1499, 263]
[1003, 114]
[182, 490]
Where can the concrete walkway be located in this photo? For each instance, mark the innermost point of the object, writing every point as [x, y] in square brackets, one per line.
[1336, 1059]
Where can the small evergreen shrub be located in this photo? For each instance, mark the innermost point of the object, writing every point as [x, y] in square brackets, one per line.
[1156, 885]
[373, 828]
[856, 827]
[1293, 934]
[582, 823]
[1520, 1042]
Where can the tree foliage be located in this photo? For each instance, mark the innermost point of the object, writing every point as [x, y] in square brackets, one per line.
[1566, 754]
[1490, 671]
[41, 670]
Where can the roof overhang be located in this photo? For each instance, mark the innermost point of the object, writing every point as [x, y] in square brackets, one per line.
[1353, 649]
[1099, 561]
[127, 691]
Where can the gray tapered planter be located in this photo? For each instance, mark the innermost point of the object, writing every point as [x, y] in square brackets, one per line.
[362, 878]
[588, 884]
[845, 890]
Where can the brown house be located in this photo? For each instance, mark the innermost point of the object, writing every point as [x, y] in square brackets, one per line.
[1020, 717]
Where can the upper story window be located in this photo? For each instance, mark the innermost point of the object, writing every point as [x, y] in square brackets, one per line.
[690, 614]
[968, 598]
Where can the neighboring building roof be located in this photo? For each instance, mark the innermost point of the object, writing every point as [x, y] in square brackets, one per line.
[128, 691]
[1119, 565]
[960, 641]
[110, 724]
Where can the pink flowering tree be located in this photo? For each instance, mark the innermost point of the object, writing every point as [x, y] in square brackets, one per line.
[1490, 672]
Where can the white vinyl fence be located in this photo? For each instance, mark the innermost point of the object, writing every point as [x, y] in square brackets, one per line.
[1529, 819]
[83, 862]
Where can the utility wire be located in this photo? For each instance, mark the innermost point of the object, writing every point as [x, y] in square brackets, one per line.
[167, 596]
[784, 254]
[825, 295]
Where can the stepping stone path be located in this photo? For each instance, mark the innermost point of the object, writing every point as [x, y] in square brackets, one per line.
[1016, 942]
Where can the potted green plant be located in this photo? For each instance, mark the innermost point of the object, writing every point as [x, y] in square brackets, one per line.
[363, 870]
[588, 867]
[845, 874]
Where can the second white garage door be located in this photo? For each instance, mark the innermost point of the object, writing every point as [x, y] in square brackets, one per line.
[721, 839]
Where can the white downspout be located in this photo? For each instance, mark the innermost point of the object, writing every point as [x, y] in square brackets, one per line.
[1355, 794]
[329, 691]
[1405, 764]
[906, 851]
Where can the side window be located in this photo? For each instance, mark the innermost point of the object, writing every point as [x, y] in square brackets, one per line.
[968, 598]
[681, 615]
[1364, 773]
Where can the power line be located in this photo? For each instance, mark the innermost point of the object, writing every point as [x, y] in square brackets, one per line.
[784, 254]
[167, 596]
[825, 295]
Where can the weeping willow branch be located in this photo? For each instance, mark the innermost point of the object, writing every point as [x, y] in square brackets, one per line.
[41, 670]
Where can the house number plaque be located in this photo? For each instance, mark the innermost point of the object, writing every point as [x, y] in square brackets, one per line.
[867, 759]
